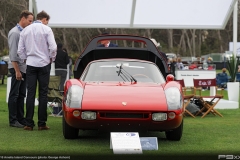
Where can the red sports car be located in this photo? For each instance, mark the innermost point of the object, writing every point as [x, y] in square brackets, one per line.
[122, 89]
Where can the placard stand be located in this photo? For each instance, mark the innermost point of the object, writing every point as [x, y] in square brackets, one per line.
[149, 143]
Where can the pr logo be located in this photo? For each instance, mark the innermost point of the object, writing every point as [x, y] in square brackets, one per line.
[228, 157]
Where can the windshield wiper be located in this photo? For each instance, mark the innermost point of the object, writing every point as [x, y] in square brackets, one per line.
[125, 74]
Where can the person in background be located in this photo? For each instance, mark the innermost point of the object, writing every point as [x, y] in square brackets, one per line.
[224, 71]
[70, 63]
[37, 47]
[204, 64]
[209, 60]
[106, 42]
[169, 62]
[194, 65]
[157, 44]
[173, 66]
[61, 63]
[17, 68]
[179, 64]
[222, 78]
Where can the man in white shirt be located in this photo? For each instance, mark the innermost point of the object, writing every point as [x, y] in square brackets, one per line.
[37, 47]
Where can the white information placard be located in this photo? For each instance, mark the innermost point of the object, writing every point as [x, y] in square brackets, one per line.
[189, 75]
[125, 143]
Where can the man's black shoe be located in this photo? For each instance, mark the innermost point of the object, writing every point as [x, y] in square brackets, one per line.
[16, 124]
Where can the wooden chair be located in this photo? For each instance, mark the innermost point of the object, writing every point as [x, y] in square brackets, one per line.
[187, 97]
[208, 105]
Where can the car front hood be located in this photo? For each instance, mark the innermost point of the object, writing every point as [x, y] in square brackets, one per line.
[132, 97]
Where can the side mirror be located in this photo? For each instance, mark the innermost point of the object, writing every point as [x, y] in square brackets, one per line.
[169, 78]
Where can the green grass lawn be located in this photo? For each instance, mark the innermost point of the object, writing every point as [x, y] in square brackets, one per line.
[203, 138]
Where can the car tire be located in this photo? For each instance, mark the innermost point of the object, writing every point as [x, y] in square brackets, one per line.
[175, 134]
[68, 131]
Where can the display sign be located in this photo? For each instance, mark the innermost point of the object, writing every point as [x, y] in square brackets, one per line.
[189, 75]
[149, 143]
[125, 143]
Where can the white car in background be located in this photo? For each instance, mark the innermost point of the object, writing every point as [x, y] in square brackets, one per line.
[171, 55]
[4, 58]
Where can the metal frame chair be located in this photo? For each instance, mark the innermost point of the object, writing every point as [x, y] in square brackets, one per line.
[208, 106]
[54, 94]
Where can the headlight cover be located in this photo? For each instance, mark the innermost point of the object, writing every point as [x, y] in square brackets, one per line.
[74, 97]
[88, 115]
[159, 116]
[174, 98]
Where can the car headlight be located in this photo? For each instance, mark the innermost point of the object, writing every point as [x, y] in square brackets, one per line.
[74, 97]
[88, 115]
[174, 98]
[159, 116]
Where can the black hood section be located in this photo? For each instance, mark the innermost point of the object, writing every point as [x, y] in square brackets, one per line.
[93, 52]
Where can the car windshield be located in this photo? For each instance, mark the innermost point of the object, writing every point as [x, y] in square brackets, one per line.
[129, 71]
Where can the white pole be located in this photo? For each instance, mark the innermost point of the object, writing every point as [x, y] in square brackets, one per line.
[235, 22]
[30, 7]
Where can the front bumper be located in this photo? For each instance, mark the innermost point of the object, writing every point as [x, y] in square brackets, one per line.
[121, 121]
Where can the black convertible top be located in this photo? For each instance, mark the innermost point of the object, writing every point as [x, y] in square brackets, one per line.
[93, 52]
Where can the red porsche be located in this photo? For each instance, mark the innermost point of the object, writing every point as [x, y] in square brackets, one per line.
[122, 89]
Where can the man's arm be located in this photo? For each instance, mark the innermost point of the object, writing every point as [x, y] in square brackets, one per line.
[67, 58]
[52, 45]
[17, 71]
[21, 47]
[13, 45]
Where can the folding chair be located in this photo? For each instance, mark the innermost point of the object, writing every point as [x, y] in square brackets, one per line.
[187, 97]
[208, 106]
[54, 96]
[3, 70]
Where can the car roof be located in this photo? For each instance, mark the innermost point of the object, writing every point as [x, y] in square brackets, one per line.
[94, 52]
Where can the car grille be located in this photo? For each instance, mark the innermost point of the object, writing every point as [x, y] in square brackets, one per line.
[124, 115]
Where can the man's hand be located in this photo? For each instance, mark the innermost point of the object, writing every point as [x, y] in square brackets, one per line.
[19, 76]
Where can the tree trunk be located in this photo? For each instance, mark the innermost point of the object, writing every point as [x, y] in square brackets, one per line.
[170, 39]
[188, 43]
[184, 46]
[220, 41]
[180, 43]
[199, 42]
[193, 33]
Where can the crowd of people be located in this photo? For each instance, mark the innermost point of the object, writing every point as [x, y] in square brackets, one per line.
[198, 64]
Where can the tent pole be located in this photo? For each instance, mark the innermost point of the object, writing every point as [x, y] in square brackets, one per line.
[30, 7]
[235, 22]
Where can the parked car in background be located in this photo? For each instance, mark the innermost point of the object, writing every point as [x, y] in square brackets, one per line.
[122, 89]
[4, 58]
[171, 55]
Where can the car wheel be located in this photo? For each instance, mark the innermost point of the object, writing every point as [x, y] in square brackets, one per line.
[175, 134]
[68, 131]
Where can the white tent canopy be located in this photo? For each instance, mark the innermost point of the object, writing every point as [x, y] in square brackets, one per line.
[165, 14]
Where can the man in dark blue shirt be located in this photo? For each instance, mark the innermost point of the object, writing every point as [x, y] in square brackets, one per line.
[107, 43]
